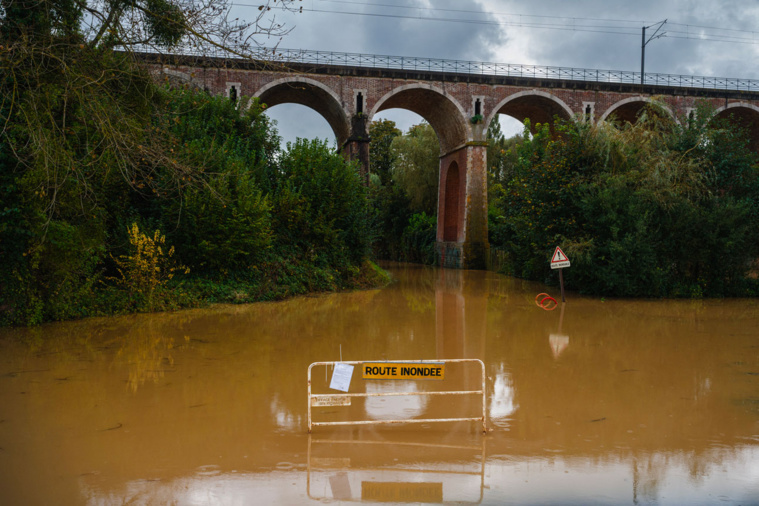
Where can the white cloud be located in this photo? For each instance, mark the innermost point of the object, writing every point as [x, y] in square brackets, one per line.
[596, 34]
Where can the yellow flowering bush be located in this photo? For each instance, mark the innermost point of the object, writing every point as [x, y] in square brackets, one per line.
[148, 266]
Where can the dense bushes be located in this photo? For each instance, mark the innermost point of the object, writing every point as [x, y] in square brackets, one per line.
[651, 209]
[248, 221]
[319, 205]
[418, 239]
[112, 187]
[67, 156]
[215, 212]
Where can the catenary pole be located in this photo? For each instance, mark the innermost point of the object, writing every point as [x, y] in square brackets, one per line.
[644, 43]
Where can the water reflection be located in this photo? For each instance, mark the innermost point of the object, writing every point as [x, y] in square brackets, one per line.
[461, 302]
[388, 408]
[559, 341]
[148, 352]
[502, 400]
[411, 472]
[283, 417]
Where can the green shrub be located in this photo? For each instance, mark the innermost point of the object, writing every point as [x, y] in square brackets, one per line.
[319, 209]
[419, 239]
[651, 209]
[216, 214]
[146, 270]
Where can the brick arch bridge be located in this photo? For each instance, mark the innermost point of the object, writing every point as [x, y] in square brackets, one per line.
[459, 100]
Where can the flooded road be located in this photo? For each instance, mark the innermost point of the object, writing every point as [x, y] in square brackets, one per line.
[607, 402]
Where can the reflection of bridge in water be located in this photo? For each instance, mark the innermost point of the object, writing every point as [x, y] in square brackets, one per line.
[459, 100]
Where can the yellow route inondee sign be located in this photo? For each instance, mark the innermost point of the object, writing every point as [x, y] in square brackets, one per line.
[405, 371]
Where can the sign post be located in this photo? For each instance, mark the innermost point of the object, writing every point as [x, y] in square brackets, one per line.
[560, 261]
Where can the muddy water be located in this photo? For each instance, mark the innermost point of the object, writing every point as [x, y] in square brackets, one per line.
[609, 402]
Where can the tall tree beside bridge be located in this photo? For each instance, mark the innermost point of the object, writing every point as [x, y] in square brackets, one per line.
[202, 26]
[416, 167]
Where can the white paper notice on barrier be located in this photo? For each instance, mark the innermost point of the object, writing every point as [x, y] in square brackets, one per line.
[341, 377]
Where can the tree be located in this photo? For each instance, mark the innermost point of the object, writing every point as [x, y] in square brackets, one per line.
[381, 157]
[501, 154]
[417, 167]
[79, 147]
[71, 104]
[153, 25]
[651, 209]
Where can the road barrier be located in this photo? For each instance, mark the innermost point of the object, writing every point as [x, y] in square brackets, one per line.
[431, 370]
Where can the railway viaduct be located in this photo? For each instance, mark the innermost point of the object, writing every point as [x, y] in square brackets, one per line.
[459, 100]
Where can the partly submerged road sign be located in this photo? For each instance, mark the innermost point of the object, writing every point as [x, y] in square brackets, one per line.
[559, 259]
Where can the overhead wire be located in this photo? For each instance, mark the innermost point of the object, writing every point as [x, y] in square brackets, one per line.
[495, 13]
[523, 24]
[469, 11]
[714, 28]
[578, 24]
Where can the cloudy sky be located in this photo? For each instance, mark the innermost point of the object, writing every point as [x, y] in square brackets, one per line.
[701, 37]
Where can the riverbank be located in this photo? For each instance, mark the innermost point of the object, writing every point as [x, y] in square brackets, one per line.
[272, 282]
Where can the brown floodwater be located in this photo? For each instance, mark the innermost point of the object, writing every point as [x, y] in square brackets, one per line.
[596, 402]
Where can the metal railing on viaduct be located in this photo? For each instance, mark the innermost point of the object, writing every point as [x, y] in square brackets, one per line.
[481, 69]
[504, 69]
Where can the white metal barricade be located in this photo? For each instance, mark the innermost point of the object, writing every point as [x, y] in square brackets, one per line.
[343, 399]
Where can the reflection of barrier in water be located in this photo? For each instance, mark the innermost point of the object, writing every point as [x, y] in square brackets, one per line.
[392, 370]
[406, 407]
[347, 467]
[503, 400]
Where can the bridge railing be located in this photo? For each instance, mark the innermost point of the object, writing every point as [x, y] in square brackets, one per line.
[465, 67]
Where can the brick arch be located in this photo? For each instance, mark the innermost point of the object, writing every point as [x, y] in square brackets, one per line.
[538, 106]
[736, 105]
[441, 111]
[451, 203]
[746, 116]
[627, 110]
[312, 94]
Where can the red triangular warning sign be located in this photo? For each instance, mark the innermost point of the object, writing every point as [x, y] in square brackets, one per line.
[559, 259]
